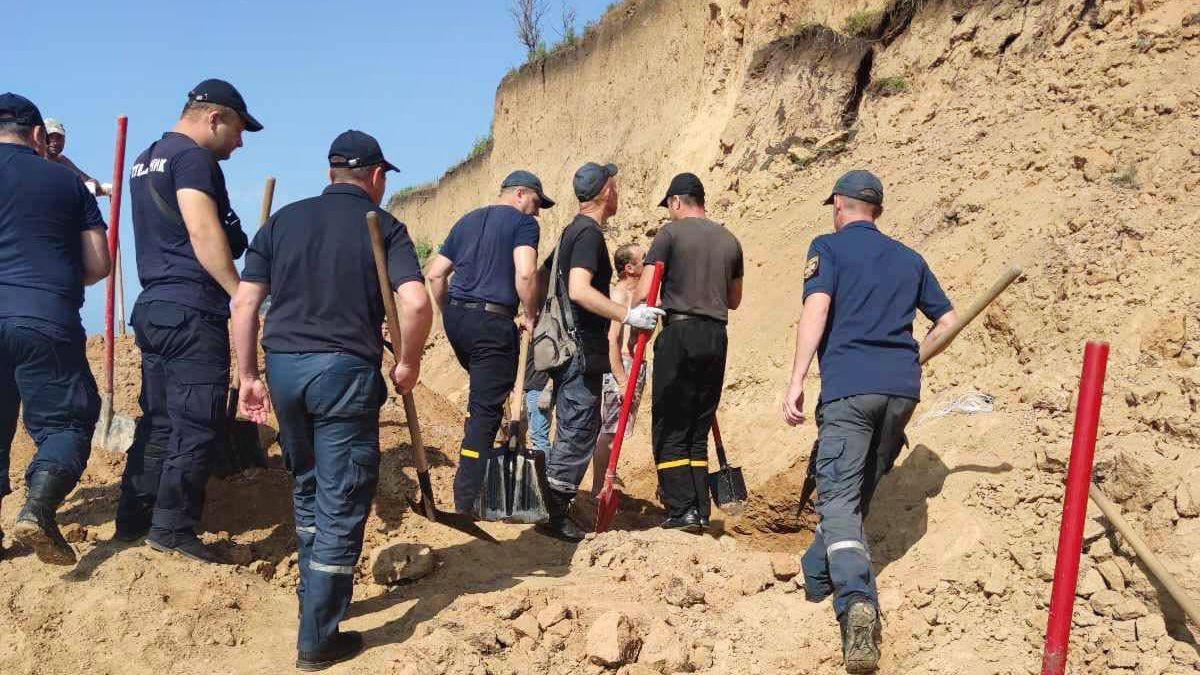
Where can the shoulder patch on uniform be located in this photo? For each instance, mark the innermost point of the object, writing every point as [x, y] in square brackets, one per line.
[810, 268]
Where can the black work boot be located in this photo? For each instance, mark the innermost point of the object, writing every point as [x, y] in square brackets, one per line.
[560, 525]
[688, 522]
[36, 526]
[859, 627]
[187, 546]
[343, 646]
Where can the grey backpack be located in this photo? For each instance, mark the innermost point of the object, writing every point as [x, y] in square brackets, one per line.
[554, 342]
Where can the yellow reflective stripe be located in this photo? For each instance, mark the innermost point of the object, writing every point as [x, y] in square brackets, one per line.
[672, 464]
[470, 453]
[699, 462]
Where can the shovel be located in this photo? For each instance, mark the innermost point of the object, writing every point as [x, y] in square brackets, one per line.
[727, 485]
[606, 503]
[981, 303]
[495, 500]
[526, 468]
[243, 445]
[113, 432]
[426, 506]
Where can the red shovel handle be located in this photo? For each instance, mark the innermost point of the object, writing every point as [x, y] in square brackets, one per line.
[114, 230]
[639, 355]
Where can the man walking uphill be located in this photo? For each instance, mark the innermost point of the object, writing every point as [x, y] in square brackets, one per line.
[187, 238]
[584, 276]
[324, 350]
[861, 292]
[51, 245]
[702, 282]
[492, 254]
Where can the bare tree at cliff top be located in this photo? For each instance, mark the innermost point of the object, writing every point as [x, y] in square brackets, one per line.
[528, 16]
[567, 32]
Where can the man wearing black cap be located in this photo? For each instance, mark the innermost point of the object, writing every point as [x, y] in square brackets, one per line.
[324, 350]
[701, 283]
[52, 244]
[486, 265]
[187, 237]
[584, 276]
[861, 292]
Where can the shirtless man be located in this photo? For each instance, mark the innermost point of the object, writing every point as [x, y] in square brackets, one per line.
[628, 263]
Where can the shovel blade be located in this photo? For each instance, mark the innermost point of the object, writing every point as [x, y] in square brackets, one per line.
[528, 494]
[426, 507]
[492, 503]
[606, 507]
[728, 488]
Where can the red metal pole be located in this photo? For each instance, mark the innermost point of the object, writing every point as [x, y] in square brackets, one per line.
[114, 229]
[1079, 479]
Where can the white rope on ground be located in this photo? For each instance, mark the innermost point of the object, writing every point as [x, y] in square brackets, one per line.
[971, 403]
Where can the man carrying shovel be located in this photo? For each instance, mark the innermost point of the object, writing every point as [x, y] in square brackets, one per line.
[861, 292]
[52, 244]
[702, 283]
[324, 350]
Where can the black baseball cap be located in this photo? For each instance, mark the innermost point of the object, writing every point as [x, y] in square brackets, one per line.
[591, 178]
[525, 179]
[859, 184]
[684, 184]
[357, 149]
[16, 109]
[221, 92]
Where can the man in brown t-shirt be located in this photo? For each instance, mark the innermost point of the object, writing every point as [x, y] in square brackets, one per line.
[702, 282]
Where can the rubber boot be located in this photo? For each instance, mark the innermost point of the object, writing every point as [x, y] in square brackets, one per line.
[36, 526]
[560, 525]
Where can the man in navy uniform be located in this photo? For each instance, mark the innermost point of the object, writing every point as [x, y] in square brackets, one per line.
[324, 349]
[489, 260]
[52, 244]
[861, 292]
[187, 238]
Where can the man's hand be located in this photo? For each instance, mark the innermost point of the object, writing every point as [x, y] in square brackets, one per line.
[405, 377]
[254, 403]
[529, 323]
[643, 317]
[793, 405]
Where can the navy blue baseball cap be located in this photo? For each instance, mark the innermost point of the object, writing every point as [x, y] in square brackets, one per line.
[591, 178]
[525, 179]
[16, 109]
[858, 184]
[220, 92]
[356, 149]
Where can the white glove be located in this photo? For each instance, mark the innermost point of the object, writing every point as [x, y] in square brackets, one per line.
[643, 317]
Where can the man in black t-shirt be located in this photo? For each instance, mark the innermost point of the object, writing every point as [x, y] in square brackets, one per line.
[702, 282]
[324, 350]
[585, 272]
[187, 238]
[487, 265]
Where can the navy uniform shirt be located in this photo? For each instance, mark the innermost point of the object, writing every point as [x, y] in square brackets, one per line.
[877, 284]
[44, 210]
[582, 245]
[167, 264]
[316, 257]
[480, 245]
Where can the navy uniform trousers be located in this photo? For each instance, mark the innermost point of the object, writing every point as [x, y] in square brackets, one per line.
[185, 381]
[859, 439]
[487, 345]
[43, 366]
[328, 410]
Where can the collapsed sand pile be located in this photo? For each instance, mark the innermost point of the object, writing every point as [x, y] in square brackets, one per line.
[1060, 134]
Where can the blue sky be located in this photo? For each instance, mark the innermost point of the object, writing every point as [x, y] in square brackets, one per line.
[420, 76]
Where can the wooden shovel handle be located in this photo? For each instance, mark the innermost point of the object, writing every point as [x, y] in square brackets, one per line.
[1010, 275]
[393, 322]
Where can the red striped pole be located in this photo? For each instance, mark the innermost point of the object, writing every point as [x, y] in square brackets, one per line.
[114, 228]
[1070, 536]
